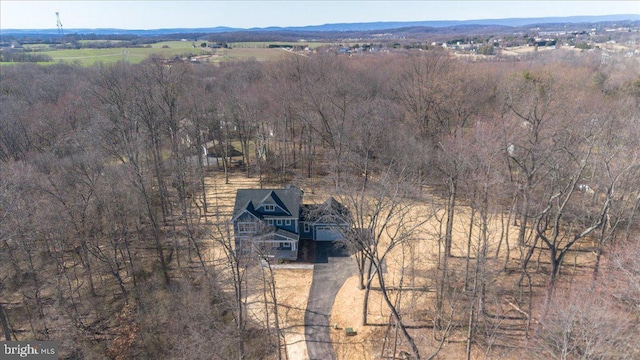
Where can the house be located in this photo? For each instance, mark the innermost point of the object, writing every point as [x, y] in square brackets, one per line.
[272, 222]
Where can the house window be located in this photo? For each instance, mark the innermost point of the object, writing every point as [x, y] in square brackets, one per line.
[287, 222]
[306, 227]
[279, 222]
[246, 227]
[270, 222]
[285, 245]
[269, 208]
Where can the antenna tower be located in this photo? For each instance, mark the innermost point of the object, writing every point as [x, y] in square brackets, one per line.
[59, 24]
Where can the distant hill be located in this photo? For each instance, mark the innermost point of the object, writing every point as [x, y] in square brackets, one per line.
[382, 25]
[156, 32]
[344, 27]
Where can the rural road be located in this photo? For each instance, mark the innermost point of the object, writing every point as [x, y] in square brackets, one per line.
[332, 268]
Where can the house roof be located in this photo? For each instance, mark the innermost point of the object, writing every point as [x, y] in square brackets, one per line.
[273, 198]
[219, 151]
[276, 234]
[330, 209]
[287, 234]
[248, 207]
[250, 199]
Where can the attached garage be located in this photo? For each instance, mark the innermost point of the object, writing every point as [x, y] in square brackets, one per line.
[328, 233]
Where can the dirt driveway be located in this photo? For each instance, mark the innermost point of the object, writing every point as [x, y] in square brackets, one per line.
[332, 268]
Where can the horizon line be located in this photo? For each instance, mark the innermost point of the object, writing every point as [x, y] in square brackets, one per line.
[635, 17]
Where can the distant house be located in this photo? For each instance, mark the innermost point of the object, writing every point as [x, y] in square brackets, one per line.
[273, 221]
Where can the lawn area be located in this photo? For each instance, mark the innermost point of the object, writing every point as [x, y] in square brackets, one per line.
[88, 57]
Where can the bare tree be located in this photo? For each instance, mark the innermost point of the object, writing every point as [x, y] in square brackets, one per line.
[384, 220]
[584, 324]
[123, 135]
[420, 90]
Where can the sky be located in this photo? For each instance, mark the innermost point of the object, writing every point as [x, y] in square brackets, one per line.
[152, 14]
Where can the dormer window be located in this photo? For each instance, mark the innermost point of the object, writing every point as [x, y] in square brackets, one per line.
[269, 208]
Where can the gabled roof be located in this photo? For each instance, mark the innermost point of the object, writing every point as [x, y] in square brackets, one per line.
[276, 234]
[287, 199]
[287, 234]
[248, 207]
[331, 210]
[274, 199]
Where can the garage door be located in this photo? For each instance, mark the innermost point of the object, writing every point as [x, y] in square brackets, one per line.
[327, 233]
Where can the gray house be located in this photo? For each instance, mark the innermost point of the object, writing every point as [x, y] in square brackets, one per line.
[273, 221]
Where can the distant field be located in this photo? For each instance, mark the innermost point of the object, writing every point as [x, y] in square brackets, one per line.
[259, 54]
[167, 49]
[265, 44]
[88, 57]
[37, 47]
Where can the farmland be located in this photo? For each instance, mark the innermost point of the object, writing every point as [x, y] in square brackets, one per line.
[89, 56]
[88, 50]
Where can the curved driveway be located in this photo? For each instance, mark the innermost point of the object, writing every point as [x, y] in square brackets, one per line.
[332, 268]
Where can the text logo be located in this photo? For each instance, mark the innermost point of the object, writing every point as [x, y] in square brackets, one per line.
[32, 350]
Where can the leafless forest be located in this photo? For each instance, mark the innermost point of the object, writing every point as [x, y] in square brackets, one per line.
[112, 244]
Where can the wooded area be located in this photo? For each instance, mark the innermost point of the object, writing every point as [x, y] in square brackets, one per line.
[112, 244]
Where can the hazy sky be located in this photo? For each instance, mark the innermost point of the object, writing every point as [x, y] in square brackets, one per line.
[18, 14]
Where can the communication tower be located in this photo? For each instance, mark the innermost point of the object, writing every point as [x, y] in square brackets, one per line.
[59, 24]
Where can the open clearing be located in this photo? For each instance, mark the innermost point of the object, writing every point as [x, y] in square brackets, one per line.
[418, 306]
[165, 49]
[293, 285]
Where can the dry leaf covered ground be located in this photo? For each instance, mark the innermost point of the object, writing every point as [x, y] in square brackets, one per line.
[292, 286]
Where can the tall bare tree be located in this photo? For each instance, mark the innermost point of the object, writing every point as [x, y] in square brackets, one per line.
[384, 219]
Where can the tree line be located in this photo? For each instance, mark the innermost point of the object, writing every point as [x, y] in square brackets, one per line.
[106, 226]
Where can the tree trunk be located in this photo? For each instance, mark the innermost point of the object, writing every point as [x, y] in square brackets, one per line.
[239, 312]
[365, 306]
[396, 316]
[466, 263]
[440, 288]
[523, 219]
[553, 273]
[5, 324]
[506, 236]
[365, 302]
[451, 203]
[361, 260]
[527, 258]
[272, 286]
[470, 329]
